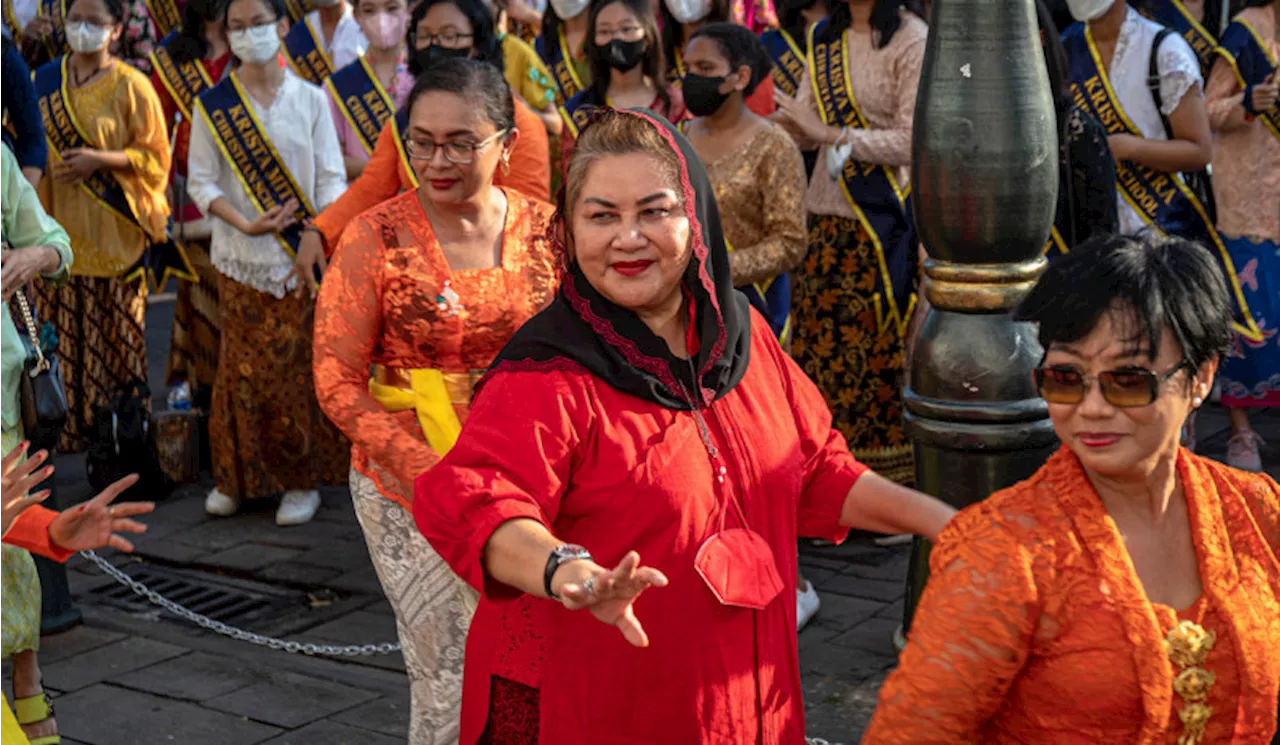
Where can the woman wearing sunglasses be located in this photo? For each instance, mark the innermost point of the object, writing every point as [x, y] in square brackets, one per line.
[1129, 591]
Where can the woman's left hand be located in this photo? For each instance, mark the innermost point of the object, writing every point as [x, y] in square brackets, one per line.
[21, 265]
[77, 164]
[611, 595]
[98, 523]
[804, 118]
[1123, 146]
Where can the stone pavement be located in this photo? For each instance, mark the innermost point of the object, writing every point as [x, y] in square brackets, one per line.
[132, 675]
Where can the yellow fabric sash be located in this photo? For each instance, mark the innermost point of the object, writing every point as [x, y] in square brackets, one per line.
[429, 393]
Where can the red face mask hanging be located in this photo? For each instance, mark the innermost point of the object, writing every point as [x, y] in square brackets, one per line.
[738, 565]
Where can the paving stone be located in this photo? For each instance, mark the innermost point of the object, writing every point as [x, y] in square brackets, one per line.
[816, 575]
[360, 627]
[290, 700]
[250, 557]
[844, 662]
[107, 662]
[219, 535]
[841, 613]
[107, 715]
[893, 570]
[814, 634]
[388, 715]
[75, 642]
[326, 732]
[197, 676]
[361, 580]
[344, 555]
[381, 607]
[842, 717]
[870, 589]
[874, 635]
[167, 550]
[298, 573]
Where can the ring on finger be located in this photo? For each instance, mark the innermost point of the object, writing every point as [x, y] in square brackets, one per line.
[589, 585]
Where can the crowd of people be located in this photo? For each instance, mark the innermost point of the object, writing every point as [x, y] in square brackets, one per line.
[614, 297]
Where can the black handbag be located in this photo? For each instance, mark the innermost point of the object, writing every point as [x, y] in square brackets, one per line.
[44, 402]
[1199, 182]
[120, 441]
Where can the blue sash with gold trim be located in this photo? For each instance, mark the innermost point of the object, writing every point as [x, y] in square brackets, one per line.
[881, 206]
[161, 259]
[400, 125]
[254, 160]
[558, 60]
[1174, 14]
[306, 54]
[787, 58]
[1160, 199]
[11, 21]
[185, 81]
[296, 10]
[164, 13]
[675, 75]
[577, 111]
[363, 101]
[57, 12]
[1252, 62]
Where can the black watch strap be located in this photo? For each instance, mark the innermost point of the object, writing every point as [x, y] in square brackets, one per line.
[558, 556]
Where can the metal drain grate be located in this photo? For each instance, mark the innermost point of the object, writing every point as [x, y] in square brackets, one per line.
[218, 598]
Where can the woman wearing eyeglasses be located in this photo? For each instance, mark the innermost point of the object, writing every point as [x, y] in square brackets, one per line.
[427, 288]
[1129, 591]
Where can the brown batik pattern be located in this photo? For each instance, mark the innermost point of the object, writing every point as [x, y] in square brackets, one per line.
[101, 343]
[197, 324]
[838, 342]
[267, 432]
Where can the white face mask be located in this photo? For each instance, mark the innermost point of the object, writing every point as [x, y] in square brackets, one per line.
[257, 45]
[689, 11]
[86, 37]
[1088, 10]
[569, 8]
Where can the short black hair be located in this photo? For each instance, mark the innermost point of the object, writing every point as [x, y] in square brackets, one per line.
[190, 45]
[1163, 282]
[740, 47]
[115, 8]
[484, 39]
[474, 80]
[277, 7]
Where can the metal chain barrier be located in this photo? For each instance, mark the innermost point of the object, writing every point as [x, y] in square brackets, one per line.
[218, 627]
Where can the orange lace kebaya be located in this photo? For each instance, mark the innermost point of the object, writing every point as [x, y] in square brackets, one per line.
[1035, 627]
[389, 299]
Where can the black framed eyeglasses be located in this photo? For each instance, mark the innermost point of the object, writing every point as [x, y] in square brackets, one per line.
[1126, 388]
[458, 153]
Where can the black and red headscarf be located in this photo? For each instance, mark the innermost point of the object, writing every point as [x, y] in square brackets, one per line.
[582, 328]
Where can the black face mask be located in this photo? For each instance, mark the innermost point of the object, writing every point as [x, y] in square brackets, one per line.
[702, 96]
[424, 58]
[623, 55]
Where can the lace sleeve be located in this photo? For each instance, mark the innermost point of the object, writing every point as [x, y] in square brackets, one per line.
[1179, 72]
[780, 170]
[970, 636]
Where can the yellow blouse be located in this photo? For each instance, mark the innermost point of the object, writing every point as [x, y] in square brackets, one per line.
[119, 111]
[526, 74]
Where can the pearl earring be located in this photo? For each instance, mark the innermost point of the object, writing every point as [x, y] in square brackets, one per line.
[1196, 402]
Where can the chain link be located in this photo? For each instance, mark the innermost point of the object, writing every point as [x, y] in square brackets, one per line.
[218, 627]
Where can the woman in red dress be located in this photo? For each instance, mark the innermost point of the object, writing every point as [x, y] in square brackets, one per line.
[648, 412]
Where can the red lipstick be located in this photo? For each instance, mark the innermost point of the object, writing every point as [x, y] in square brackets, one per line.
[1097, 439]
[631, 268]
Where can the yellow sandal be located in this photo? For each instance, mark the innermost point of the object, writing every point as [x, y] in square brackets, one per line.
[34, 710]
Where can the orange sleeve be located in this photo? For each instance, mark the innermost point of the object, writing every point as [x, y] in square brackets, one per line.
[760, 102]
[530, 172]
[381, 180]
[31, 531]
[348, 326]
[970, 636]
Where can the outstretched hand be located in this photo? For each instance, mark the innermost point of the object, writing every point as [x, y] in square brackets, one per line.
[17, 478]
[611, 595]
[98, 523]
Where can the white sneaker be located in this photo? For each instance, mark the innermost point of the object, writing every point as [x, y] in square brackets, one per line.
[807, 604]
[221, 505]
[1243, 451]
[298, 507]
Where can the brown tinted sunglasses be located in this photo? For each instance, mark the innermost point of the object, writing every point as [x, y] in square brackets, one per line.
[1125, 388]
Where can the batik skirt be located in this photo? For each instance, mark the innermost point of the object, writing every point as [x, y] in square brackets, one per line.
[851, 345]
[197, 324]
[101, 343]
[1251, 373]
[266, 431]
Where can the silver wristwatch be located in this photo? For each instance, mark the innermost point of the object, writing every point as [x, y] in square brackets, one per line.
[559, 555]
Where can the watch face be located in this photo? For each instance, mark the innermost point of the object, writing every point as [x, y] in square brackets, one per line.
[571, 551]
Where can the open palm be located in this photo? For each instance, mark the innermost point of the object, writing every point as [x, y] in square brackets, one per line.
[612, 596]
[97, 523]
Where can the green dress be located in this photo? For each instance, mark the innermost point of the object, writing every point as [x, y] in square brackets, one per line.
[25, 224]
